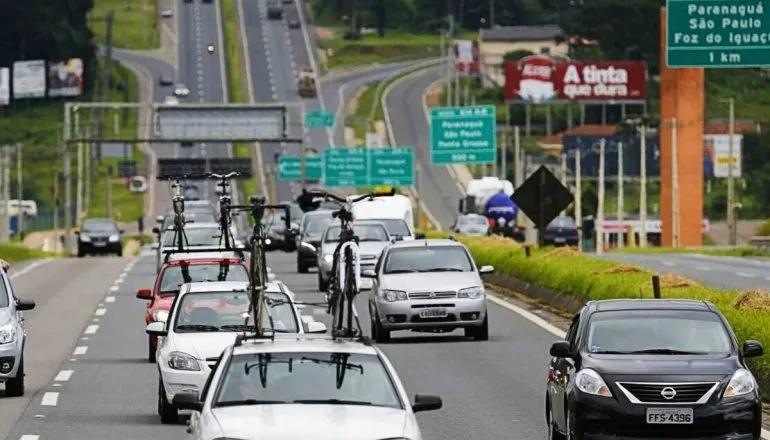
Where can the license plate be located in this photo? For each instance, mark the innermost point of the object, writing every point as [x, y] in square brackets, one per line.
[433, 313]
[559, 240]
[669, 416]
[100, 244]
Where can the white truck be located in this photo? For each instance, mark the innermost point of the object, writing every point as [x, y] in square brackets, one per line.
[394, 212]
[480, 190]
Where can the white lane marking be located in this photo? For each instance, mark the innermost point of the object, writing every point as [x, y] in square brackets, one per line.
[85, 338]
[705, 268]
[29, 437]
[91, 329]
[79, 351]
[26, 269]
[668, 263]
[114, 288]
[529, 316]
[744, 274]
[100, 312]
[109, 299]
[39, 416]
[50, 399]
[118, 281]
[57, 384]
[63, 376]
[95, 320]
[765, 434]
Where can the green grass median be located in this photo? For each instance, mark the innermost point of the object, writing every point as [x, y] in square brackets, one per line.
[13, 253]
[135, 25]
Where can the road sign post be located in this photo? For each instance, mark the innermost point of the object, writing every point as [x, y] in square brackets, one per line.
[289, 168]
[542, 197]
[463, 135]
[365, 167]
[717, 34]
[319, 119]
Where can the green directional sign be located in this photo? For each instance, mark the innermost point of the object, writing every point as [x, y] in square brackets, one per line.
[319, 119]
[717, 33]
[463, 135]
[289, 168]
[362, 166]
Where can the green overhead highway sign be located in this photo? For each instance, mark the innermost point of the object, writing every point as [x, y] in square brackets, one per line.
[361, 166]
[463, 135]
[289, 168]
[319, 119]
[717, 33]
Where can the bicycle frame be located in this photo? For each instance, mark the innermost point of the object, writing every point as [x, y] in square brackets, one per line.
[354, 250]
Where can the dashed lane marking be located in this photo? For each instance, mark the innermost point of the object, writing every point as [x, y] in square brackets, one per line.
[50, 399]
[114, 288]
[744, 274]
[29, 437]
[109, 299]
[100, 312]
[91, 329]
[80, 351]
[669, 263]
[63, 376]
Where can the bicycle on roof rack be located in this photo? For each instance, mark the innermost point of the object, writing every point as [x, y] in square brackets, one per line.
[345, 280]
[225, 201]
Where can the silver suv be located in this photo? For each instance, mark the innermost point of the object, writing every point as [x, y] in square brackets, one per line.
[12, 337]
[429, 286]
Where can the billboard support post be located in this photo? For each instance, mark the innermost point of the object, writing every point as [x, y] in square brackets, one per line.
[731, 212]
[643, 187]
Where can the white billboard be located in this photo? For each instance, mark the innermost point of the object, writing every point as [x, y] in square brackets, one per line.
[5, 86]
[29, 79]
[720, 145]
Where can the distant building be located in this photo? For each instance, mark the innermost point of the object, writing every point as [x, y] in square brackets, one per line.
[553, 144]
[496, 42]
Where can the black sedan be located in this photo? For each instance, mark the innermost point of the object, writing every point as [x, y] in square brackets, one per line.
[99, 236]
[652, 369]
[562, 231]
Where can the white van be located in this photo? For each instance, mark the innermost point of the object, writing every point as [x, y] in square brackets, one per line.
[394, 212]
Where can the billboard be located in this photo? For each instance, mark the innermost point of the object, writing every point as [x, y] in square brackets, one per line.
[29, 79]
[65, 78]
[540, 79]
[589, 155]
[467, 56]
[5, 86]
[717, 148]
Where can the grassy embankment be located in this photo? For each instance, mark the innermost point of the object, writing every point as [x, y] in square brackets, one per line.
[236, 85]
[13, 253]
[583, 278]
[133, 28]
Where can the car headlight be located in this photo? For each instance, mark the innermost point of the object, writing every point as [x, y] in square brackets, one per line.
[471, 292]
[160, 315]
[114, 238]
[741, 383]
[85, 238]
[182, 361]
[308, 246]
[7, 334]
[589, 382]
[328, 258]
[393, 295]
[268, 241]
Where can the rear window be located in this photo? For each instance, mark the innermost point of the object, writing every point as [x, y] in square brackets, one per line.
[195, 237]
[174, 276]
[562, 222]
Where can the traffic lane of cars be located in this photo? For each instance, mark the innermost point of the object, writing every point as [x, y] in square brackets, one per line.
[491, 390]
[722, 272]
[66, 298]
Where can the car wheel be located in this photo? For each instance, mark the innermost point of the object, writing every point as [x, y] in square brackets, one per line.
[382, 334]
[480, 333]
[323, 285]
[168, 414]
[81, 253]
[301, 267]
[151, 348]
[119, 253]
[14, 387]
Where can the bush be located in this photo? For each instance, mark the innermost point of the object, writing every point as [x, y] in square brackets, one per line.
[13, 253]
[567, 271]
[764, 229]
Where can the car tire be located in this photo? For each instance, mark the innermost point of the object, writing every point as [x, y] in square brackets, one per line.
[323, 285]
[382, 335]
[480, 333]
[301, 267]
[119, 253]
[81, 253]
[151, 348]
[168, 414]
[14, 387]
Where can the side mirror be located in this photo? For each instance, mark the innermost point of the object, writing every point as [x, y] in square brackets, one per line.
[156, 329]
[752, 348]
[156, 230]
[316, 327]
[368, 273]
[419, 236]
[145, 294]
[159, 219]
[29, 304]
[560, 349]
[486, 269]
[188, 401]
[426, 402]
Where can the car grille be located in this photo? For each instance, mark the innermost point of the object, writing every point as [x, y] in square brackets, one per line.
[691, 392]
[432, 295]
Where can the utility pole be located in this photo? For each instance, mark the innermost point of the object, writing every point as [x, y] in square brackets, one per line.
[7, 192]
[675, 185]
[620, 193]
[504, 158]
[491, 14]
[563, 175]
[79, 211]
[108, 191]
[56, 206]
[4, 205]
[600, 208]
[731, 220]
[88, 155]
[417, 187]
[19, 188]
[643, 190]
[579, 199]
[109, 19]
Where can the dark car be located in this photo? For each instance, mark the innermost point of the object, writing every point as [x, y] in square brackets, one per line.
[99, 236]
[294, 24]
[312, 229]
[562, 231]
[652, 369]
[191, 192]
[165, 80]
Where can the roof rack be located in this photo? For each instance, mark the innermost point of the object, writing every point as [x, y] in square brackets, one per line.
[168, 252]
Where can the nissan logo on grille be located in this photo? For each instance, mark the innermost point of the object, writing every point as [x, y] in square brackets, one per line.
[668, 393]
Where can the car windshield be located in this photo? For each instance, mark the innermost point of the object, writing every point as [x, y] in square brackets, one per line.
[312, 218]
[3, 294]
[428, 259]
[201, 215]
[657, 332]
[195, 237]
[99, 226]
[307, 378]
[363, 232]
[229, 311]
[562, 222]
[472, 221]
[317, 225]
[174, 276]
[395, 226]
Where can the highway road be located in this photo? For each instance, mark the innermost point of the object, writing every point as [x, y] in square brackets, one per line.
[438, 189]
[107, 390]
[722, 272]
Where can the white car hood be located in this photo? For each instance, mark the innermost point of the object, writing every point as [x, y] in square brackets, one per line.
[436, 281]
[203, 345]
[319, 422]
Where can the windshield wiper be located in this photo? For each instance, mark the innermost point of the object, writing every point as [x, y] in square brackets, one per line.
[237, 327]
[400, 271]
[250, 402]
[198, 327]
[441, 269]
[340, 360]
[334, 402]
[665, 351]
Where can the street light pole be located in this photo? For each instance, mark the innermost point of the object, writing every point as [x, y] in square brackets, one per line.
[731, 220]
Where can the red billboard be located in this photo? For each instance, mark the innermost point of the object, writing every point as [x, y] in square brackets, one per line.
[540, 79]
[467, 56]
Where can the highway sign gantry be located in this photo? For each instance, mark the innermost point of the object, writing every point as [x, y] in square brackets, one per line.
[319, 119]
[365, 167]
[717, 33]
[463, 135]
[289, 168]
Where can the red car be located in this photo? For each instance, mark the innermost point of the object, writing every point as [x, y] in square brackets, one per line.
[181, 269]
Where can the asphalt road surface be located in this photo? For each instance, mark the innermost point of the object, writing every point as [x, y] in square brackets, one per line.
[106, 390]
[438, 189]
[722, 272]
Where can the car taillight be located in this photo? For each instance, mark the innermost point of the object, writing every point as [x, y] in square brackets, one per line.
[521, 229]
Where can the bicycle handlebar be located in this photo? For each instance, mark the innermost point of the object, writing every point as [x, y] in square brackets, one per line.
[229, 175]
[308, 196]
